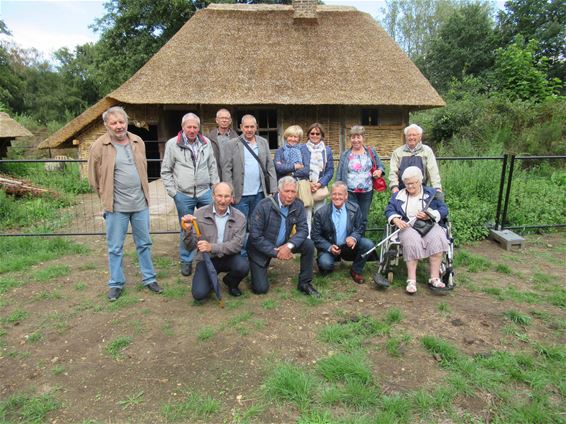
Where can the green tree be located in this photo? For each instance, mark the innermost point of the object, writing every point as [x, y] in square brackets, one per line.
[132, 31]
[519, 75]
[413, 23]
[543, 20]
[464, 46]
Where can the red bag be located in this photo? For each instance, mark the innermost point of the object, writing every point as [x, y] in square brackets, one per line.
[379, 183]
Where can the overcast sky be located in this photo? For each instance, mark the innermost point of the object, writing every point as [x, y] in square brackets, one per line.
[49, 25]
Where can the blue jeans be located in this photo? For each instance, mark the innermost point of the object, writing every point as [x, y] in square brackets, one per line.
[363, 200]
[116, 229]
[247, 204]
[326, 260]
[186, 205]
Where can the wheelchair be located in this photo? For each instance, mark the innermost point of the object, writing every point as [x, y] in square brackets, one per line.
[391, 253]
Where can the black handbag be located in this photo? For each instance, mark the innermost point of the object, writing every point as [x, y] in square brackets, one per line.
[423, 226]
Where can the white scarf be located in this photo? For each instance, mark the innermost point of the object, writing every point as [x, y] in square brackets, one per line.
[317, 160]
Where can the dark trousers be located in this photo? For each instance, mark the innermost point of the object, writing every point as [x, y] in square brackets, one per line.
[363, 200]
[260, 262]
[236, 266]
[326, 259]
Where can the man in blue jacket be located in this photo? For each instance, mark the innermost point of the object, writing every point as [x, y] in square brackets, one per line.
[337, 234]
[278, 228]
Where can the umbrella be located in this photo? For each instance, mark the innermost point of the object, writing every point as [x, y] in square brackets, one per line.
[211, 273]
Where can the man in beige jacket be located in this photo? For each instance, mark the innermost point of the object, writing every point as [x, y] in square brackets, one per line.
[117, 171]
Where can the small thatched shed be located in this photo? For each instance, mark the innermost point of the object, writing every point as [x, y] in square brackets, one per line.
[9, 130]
[284, 64]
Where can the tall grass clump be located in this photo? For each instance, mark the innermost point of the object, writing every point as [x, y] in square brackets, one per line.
[288, 382]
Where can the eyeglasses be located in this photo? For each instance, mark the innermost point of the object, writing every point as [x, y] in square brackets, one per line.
[315, 133]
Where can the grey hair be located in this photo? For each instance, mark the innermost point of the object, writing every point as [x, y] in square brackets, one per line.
[188, 116]
[413, 127]
[357, 130]
[340, 184]
[223, 182]
[248, 116]
[114, 110]
[286, 180]
[223, 110]
[412, 172]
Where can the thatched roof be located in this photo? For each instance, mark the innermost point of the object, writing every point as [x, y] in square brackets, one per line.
[236, 54]
[257, 54]
[81, 122]
[10, 128]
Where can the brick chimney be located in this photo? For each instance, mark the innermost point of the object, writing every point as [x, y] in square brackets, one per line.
[304, 9]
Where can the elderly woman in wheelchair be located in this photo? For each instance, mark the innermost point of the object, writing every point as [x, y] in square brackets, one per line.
[417, 212]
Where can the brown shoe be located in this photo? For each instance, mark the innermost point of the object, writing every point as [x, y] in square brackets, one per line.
[358, 278]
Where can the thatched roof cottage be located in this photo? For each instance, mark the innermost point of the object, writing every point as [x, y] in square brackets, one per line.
[9, 130]
[284, 64]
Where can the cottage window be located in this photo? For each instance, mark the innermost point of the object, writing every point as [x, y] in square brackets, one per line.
[266, 122]
[370, 117]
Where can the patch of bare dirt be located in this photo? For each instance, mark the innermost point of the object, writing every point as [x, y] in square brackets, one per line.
[169, 356]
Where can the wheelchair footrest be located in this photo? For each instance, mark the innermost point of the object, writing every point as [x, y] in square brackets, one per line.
[380, 281]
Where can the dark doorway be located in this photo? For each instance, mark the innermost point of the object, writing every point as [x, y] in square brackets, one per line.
[149, 136]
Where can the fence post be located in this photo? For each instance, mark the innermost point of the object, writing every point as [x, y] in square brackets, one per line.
[507, 194]
[500, 197]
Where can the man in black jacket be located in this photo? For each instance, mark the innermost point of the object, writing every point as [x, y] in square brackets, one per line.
[278, 228]
[337, 233]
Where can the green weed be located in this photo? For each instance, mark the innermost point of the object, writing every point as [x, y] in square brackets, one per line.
[269, 304]
[444, 308]
[51, 272]
[16, 317]
[35, 337]
[518, 317]
[48, 295]
[445, 351]
[168, 329]
[352, 333]
[316, 417]
[503, 269]
[206, 333]
[8, 283]
[132, 400]
[245, 416]
[352, 393]
[474, 263]
[58, 369]
[238, 319]
[193, 406]
[393, 316]
[345, 366]
[27, 408]
[19, 253]
[287, 382]
[80, 286]
[117, 346]
[178, 291]
[395, 344]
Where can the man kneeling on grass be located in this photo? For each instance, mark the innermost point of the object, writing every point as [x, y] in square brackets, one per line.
[272, 235]
[337, 234]
[222, 237]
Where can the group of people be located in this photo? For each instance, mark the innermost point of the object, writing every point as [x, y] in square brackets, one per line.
[251, 208]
